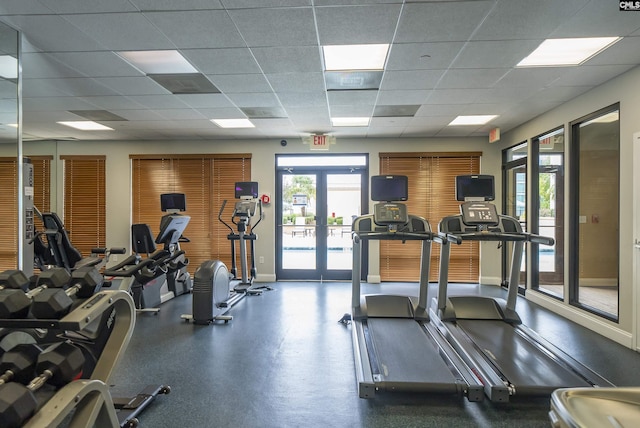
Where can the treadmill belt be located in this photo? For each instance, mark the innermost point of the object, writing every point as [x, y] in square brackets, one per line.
[528, 368]
[406, 354]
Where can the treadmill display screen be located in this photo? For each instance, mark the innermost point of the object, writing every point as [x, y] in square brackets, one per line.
[387, 188]
[475, 186]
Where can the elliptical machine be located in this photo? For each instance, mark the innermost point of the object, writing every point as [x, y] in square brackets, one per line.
[215, 288]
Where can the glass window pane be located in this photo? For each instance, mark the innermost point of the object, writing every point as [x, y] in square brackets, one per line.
[597, 188]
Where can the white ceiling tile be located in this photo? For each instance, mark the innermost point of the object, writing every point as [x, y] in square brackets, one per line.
[121, 31]
[598, 18]
[352, 97]
[522, 19]
[255, 4]
[88, 6]
[471, 78]
[357, 24]
[222, 61]
[423, 56]
[297, 82]
[414, 79]
[301, 99]
[205, 101]
[44, 66]
[590, 75]
[95, 64]
[494, 54]
[181, 114]
[133, 85]
[145, 5]
[255, 100]
[80, 86]
[625, 51]
[23, 7]
[351, 110]
[237, 83]
[529, 77]
[288, 59]
[403, 97]
[454, 96]
[159, 101]
[197, 29]
[441, 21]
[276, 27]
[53, 33]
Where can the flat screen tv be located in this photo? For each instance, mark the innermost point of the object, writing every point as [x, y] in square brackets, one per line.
[389, 188]
[475, 186]
[173, 202]
[246, 189]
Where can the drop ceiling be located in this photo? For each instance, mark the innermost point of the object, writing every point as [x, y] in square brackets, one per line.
[446, 58]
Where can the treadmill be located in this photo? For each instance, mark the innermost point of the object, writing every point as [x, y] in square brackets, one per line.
[394, 347]
[509, 358]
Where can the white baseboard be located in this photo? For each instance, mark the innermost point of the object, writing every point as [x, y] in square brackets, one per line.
[583, 318]
[374, 279]
[265, 277]
[490, 280]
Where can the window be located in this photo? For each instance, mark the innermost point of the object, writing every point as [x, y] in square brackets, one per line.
[84, 201]
[432, 196]
[595, 212]
[206, 180]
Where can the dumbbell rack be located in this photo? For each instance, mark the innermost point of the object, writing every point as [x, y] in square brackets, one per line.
[88, 402]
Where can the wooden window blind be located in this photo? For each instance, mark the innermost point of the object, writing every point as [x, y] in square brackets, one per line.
[84, 201]
[9, 206]
[432, 196]
[9, 212]
[206, 180]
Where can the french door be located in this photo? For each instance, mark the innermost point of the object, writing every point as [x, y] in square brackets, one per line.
[316, 207]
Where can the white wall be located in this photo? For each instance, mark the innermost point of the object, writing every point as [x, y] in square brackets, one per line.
[625, 89]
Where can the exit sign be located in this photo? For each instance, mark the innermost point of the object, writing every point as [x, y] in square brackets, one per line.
[319, 141]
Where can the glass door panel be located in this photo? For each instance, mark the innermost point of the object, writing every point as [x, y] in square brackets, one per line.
[516, 206]
[343, 205]
[298, 231]
[317, 208]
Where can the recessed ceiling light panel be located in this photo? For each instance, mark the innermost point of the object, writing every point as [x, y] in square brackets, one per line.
[472, 120]
[355, 57]
[86, 125]
[566, 52]
[158, 62]
[350, 121]
[233, 123]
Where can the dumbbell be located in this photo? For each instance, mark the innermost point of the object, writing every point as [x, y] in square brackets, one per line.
[13, 279]
[15, 303]
[18, 363]
[58, 365]
[56, 302]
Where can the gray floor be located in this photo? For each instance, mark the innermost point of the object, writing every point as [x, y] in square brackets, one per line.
[285, 361]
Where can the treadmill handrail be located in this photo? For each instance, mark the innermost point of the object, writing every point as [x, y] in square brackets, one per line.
[395, 236]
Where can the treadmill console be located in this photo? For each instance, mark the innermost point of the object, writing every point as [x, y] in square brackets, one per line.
[388, 213]
[479, 213]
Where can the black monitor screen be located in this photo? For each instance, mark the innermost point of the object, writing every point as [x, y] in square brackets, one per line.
[173, 202]
[475, 186]
[389, 188]
[246, 189]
